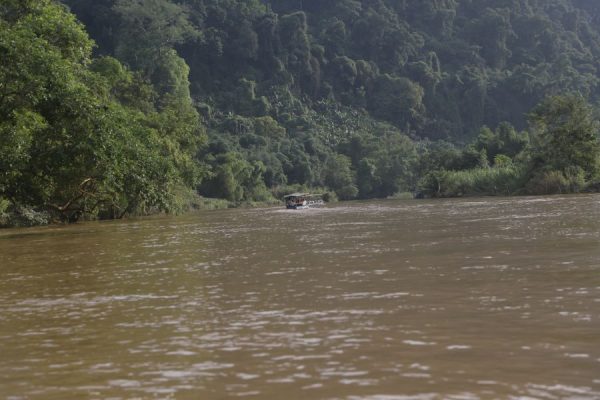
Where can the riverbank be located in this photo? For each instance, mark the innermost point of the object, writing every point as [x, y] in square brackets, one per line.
[20, 216]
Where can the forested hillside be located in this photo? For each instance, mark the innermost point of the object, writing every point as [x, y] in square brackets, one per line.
[244, 99]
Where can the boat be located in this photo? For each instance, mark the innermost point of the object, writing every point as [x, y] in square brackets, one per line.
[300, 201]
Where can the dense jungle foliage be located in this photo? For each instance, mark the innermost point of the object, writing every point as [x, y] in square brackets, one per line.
[244, 100]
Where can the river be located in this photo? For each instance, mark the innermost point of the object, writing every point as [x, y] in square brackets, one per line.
[384, 300]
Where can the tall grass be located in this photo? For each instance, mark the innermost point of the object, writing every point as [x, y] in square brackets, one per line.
[501, 181]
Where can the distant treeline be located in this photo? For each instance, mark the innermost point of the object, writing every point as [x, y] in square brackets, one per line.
[243, 100]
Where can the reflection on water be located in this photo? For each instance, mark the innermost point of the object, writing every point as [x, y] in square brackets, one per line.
[457, 299]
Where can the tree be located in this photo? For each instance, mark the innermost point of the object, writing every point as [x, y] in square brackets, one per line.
[296, 83]
[339, 177]
[398, 100]
[235, 179]
[505, 140]
[148, 28]
[367, 181]
[82, 138]
[566, 136]
[47, 110]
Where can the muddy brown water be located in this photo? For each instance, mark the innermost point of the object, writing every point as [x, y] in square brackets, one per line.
[387, 300]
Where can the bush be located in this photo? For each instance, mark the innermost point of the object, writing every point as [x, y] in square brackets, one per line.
[478, 181]
[21, 216]
[4, 204]
[557, 182]
[402, 196]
